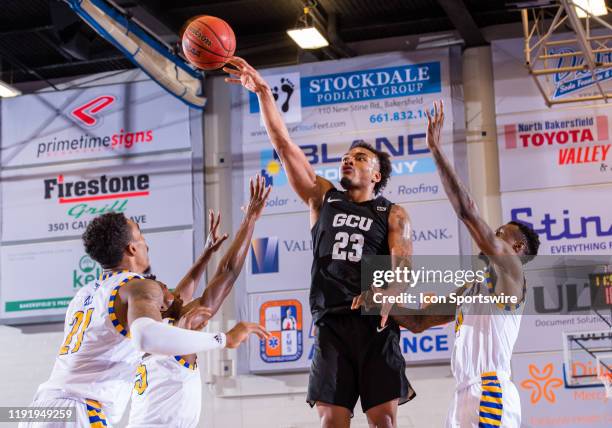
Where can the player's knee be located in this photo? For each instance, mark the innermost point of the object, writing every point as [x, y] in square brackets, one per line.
[381, 420]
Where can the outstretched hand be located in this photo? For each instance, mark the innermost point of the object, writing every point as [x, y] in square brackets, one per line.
[245, 75]
[259, 195]
[434, 124]
[214, 241]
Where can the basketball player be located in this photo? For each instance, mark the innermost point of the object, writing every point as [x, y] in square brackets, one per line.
[112, 322]
[168, 390]
[353, 357]
[485, 333]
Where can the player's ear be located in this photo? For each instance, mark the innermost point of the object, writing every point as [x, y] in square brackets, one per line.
[519, 246]
[130, 249]
[376, 177]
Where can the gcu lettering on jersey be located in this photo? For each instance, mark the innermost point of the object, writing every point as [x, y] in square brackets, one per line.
[352, 220]
[99, 188]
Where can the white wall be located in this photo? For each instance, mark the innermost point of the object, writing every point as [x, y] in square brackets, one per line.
[272, 400]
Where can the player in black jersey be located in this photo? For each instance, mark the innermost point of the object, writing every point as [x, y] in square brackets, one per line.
[355, 355]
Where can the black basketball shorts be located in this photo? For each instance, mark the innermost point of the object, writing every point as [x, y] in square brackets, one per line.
[353, 359]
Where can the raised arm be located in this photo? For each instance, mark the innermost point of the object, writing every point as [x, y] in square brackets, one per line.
[187, 285]
[499, 252]
[232, 262]
[309, 187]
[400, 248]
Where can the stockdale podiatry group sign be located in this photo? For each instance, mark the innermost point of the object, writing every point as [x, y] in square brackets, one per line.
[92, 123]
[58, 202]
[327, 106]
[57, 270]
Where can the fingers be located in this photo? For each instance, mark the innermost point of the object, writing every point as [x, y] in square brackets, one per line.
[251, 188]
[219, 242]
[238, 62]
[383, 320]
[384, 313]
[259, 331]
[232, 80]
[267, 193]
[231, 71]
[357, 302]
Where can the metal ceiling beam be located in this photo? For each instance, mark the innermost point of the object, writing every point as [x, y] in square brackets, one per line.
[151, 16]
[463, 21]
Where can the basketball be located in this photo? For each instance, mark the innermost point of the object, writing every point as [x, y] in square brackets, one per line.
[208, 42]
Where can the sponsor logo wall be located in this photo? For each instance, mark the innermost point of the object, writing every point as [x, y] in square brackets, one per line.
[556, 175]
[546, 401]
[328, 106]
[82, 153]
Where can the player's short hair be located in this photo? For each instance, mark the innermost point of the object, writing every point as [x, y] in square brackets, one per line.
[383, 161]
[532, 239]
[106, 237]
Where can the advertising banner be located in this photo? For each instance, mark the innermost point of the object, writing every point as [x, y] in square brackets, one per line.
[92, 123]
[287, 316]
[40, 279]
[566, 148]
[380, 99]
[53, 202]
[547, 402]
[568, 221]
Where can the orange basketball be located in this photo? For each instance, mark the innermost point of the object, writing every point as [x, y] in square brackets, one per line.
[208, 42]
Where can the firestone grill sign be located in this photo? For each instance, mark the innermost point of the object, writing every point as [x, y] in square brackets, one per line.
[61, 205]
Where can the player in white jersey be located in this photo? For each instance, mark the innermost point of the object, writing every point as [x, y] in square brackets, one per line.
[485, 333]
[168, 390]
[110, 324]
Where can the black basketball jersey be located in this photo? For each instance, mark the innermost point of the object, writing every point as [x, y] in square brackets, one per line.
[344, 233]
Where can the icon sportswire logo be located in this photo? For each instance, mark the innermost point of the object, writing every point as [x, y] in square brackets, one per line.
[86, 113]
[264, 255]
[96, 189]
[542, 383]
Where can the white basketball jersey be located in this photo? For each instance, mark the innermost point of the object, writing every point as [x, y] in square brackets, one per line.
[167, 393]
[485, 334]
[96, 360]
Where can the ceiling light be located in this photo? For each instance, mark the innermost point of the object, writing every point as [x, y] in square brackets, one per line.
[7, 91]
[308, 38]
[306, 33]
[594, 7]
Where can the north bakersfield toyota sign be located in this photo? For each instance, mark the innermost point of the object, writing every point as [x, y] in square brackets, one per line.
[40, 203]
[552, 148]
